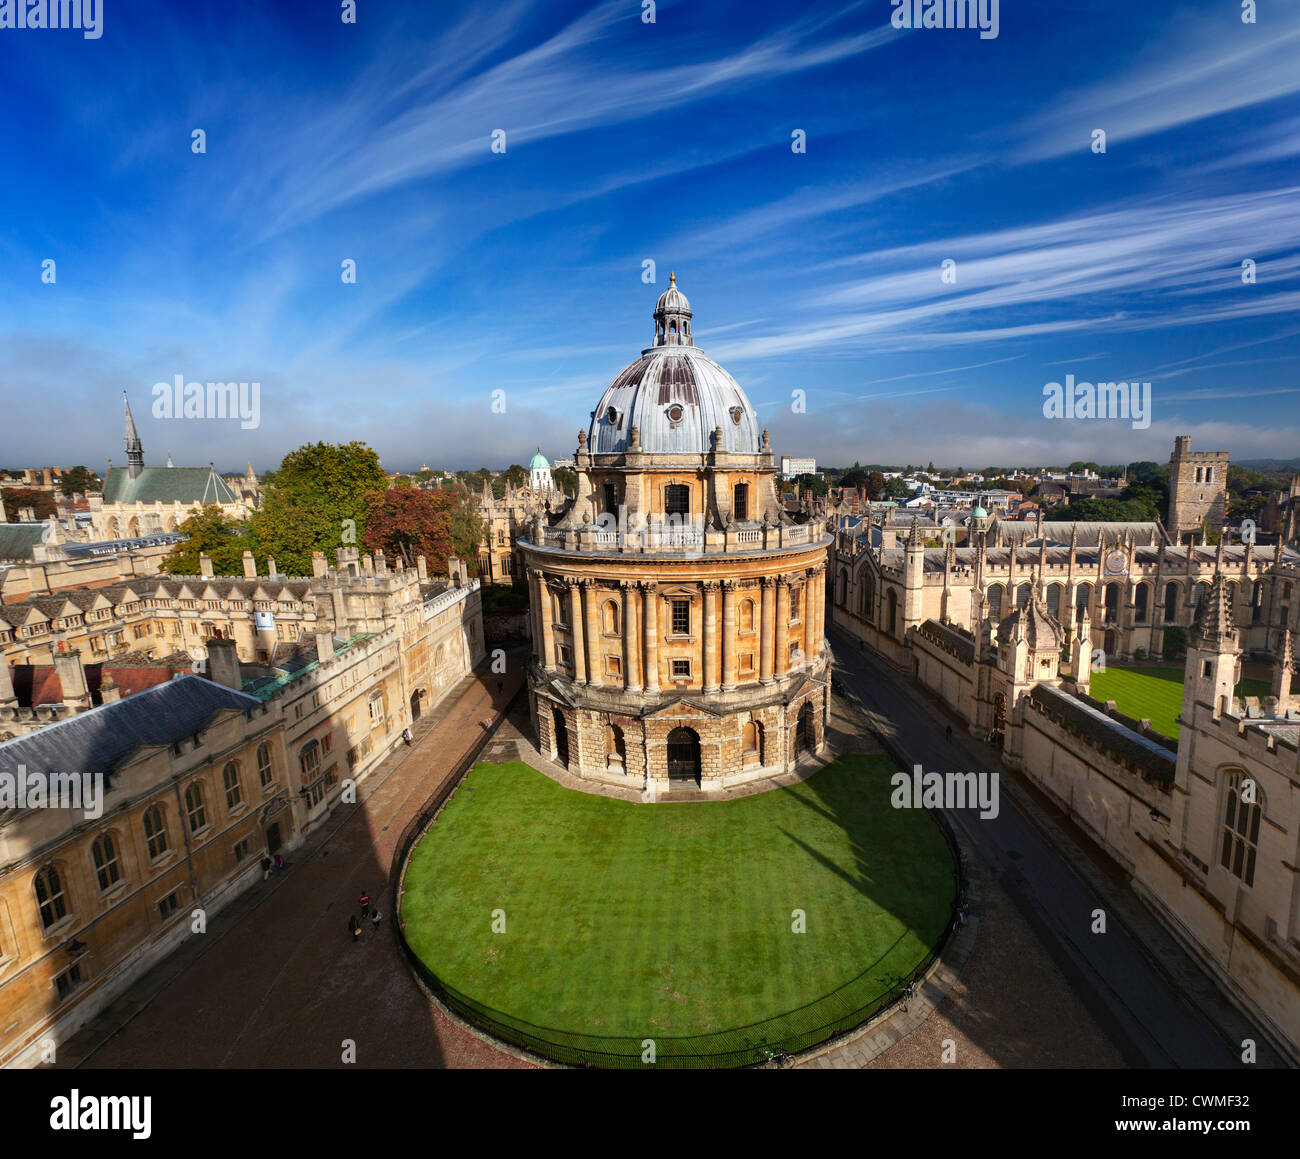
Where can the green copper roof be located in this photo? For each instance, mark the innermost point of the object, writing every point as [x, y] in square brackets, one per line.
[979, 512]
[539, 461]
[167, 485]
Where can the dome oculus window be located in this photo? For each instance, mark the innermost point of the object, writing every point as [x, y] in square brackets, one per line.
[675, 413]
[611, 416]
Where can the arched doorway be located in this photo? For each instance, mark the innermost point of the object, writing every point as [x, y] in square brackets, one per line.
[561, 738]
[803, 728]
[684, 755]
[415, 705]
[999, 719]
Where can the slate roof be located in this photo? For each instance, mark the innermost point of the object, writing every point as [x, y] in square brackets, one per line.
[18, 539]
[167, 485]
[98, 741]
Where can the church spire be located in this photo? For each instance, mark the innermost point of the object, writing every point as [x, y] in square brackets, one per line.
[134, 448]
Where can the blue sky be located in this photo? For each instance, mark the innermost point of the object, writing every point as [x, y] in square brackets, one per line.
[669, 142]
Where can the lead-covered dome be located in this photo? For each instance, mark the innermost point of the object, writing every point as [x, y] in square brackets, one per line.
[674, 395]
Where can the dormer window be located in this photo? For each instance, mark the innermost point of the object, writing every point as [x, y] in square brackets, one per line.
[611, 416]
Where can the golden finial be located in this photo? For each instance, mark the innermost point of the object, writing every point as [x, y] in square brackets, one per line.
[672, 277]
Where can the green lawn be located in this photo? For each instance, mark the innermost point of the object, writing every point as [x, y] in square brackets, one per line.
[1154, 693]
[669, 920]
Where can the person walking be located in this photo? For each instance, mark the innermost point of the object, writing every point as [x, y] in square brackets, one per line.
[354, 928]
[267, 866]
[374, 920]
[408, 736]
[365, 903]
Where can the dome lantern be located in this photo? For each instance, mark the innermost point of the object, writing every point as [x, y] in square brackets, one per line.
[673, 317]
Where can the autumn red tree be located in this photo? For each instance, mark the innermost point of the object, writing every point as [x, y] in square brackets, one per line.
[41, 502]
[405, 523]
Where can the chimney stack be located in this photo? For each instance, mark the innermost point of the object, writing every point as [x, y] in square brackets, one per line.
[223, 664]
[109, 691]
[7, 697]
[422, 567]
[270, 566]
[27, 515]
[250, 566]
[324, 646]
[205, 565]
[72, 679]
[318, 564]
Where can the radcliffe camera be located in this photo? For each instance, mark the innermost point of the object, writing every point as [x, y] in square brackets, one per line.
[635, 536]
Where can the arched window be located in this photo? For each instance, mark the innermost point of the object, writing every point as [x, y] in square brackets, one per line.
[1024, 593]
[752, 741]
[51, 899]
[1171, 602]
[866, 596]
[1054, 600]
[104, 855]
[265, 774]
[746, 615]
[842, 598]
[1141, 603]
[1083, 599]
[1199, 592]
[1243, 806]
[891, 609]
[677, 502]
[740, 502]
[611, 618]
[994, 601]
[155, 833]
[230, 779]
[195, 813]
[1112, 603]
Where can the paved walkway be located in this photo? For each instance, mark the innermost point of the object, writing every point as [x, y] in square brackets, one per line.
[277, 981]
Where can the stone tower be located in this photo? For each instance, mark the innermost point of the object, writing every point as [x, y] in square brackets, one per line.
[1197, 488]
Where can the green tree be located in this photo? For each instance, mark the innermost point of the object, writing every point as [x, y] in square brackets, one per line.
[516, 476]
[208, 532]
[566, 480]
[895, 488]
[875, 485]
[80, 480]
[318, 503]
[814, 483]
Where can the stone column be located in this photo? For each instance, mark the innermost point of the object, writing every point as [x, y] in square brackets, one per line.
[820, 637]
[709, 637]
[782, 626]
[728, 635]
[548, 622]
[767, 626]
[595, 658]
[650, 596]
[575, 631]
[631, 683]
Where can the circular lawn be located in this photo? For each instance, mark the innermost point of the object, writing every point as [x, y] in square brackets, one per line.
[615, 933]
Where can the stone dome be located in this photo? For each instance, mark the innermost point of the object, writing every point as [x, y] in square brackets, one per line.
[674, 395]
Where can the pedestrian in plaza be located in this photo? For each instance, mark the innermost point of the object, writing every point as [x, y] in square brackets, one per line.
[267, 866]
[374, 919]
[354, 928]
[365, 903]
[279, 864]
[408, 736]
